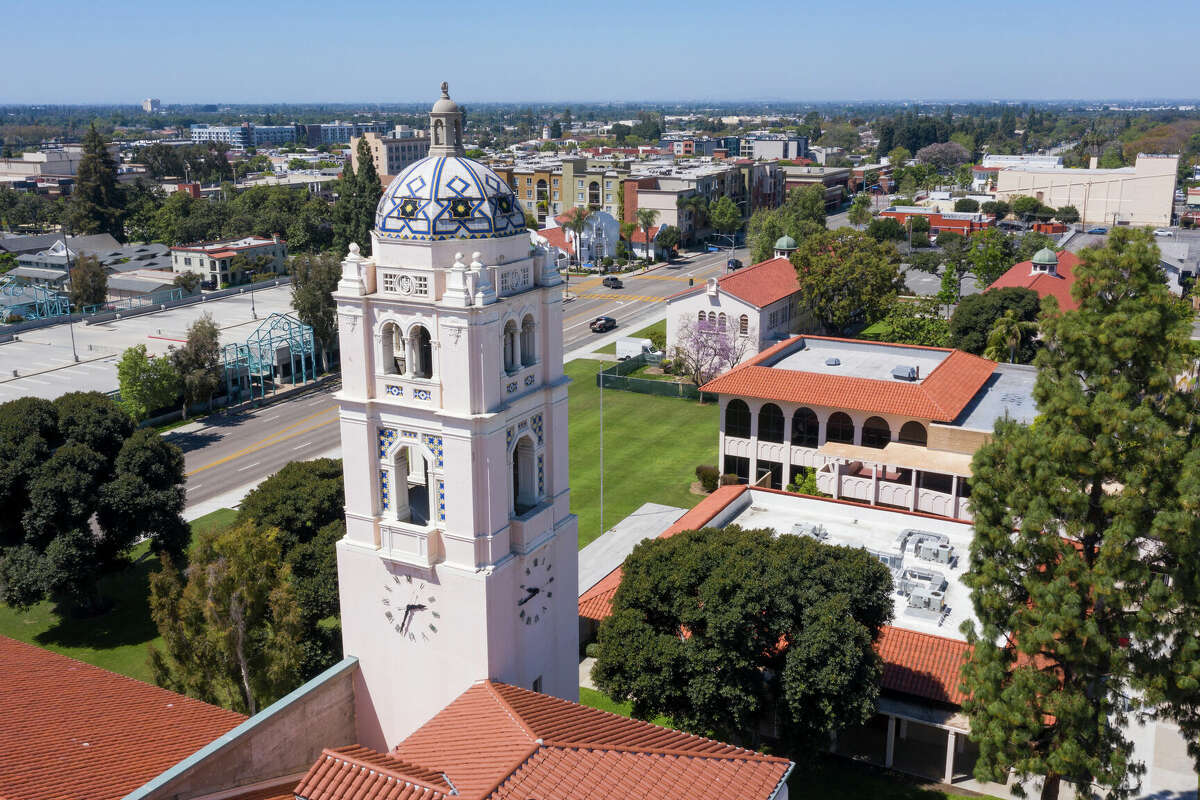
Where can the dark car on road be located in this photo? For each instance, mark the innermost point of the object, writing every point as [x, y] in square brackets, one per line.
[602, 324]
[613, 282]
[733, 264]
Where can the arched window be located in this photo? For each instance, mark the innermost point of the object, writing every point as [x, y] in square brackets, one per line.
[509, 339]
[420, 352]
[806, 430]
[737, 419]
[392, 345]
[743, 325]
[525, 494]
[712, 320]
[594, 193]
[839, 428]
[876, 433]
[770, 423]
[437, 131]
[528, 346]
[457, 133]
[913, 433]
[702, 320]
[721, 322]
[405, 489]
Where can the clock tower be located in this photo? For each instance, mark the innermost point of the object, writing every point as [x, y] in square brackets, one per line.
[460, 556]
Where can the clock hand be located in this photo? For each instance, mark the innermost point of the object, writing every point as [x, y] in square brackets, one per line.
[409, 611]
[532, 590]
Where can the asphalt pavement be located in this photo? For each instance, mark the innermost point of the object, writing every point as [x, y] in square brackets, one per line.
[229, 453]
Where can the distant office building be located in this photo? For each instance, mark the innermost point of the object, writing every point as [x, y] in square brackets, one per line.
[1051, 162]
[246, 135]
[1139, 195]
[337, 132]
[273, 134]
[151, 104]
[834, 180]
[766, 146]
[391, 155]
[60, 161]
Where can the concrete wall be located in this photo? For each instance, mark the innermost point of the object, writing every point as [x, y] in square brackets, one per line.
[1142, 195]
[956, 440]
[283, 739]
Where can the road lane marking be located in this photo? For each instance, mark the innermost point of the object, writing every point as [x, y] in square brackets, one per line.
[249, 466]
[195, 486]
[273, 439]
[302, 446]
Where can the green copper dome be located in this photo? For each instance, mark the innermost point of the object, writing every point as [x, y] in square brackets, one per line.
[785, 243]
[1046, 257]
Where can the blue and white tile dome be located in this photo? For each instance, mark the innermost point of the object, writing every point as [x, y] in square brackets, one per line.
[448, 197]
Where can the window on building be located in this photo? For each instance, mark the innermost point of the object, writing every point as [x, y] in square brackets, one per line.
[420, 352]
[594, 193]
[579, 184]
[806, 429]
[579, 197]
[744, 325]
[509, 340]
[839, 428]
[556, 195]
[721, 322]
[608, 184]
[537, 683]
[525, 494]
[554, 182]
[876, 433]
[528, 341]
[770, 423]
[739, 466]
[608, 197]
[913, 433]
[392, 346]
[737, 419]
[774, 469]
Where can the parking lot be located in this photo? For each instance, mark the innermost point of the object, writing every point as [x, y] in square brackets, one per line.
[42, 362]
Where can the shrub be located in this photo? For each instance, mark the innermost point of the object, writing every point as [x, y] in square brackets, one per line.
[592, 650]
[920, 240]
[729, 479]
[607, 262]
[709, 476]
[966, 204]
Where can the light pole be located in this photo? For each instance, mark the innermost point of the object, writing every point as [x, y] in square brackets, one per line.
[70, 290]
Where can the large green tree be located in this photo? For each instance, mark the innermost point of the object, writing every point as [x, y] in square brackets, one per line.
[724, 215]
[147, 383]
[1083, 573]
[314, 279]
[230, 624]
[89, 283]
[96, 204]
[976, 315]
[198, 361]
[358, 196]
[845, 276]
[802, 215]
[991, 255]
[699, 619]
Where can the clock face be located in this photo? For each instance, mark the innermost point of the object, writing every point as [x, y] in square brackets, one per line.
[537, 587]
[410, 608]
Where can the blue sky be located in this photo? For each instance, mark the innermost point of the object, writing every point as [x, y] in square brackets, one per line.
[84, 51]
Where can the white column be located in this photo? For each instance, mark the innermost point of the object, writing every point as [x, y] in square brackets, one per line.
[888, 757]
[874, 484]
[950, 737]
[954, 495]
[837, 480]
[754, 445]
[912, 505]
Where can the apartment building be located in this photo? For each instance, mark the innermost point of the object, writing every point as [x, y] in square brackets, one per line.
[239, 137]
[212, 260]
[768, 146]
[391, 154]
[834, 180]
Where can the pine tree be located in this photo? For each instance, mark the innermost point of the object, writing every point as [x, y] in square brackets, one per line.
[343, 210]
[1078, 520]
[368, 194]
[96, 205]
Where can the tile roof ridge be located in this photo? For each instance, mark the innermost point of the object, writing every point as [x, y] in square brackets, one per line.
[734, 752]
[508, 773]
[923, 634]
[490, 687]
[347, 755]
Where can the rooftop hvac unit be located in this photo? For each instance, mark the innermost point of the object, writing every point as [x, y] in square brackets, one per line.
[926, 545]
[927, 600]
[810, 529]
[893, 561]
[915, 579]
[905, 373]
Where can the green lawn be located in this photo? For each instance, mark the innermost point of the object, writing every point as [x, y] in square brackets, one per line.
[118, 639]
[595, 699]
[651, 448]
[659, 327]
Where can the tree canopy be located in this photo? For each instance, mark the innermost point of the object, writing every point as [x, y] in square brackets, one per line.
[845, 276]
[96, 204]
[147, 383]
[1082, 570]
[699, 619]
[314, 279]
[976, 315]
[801, 215]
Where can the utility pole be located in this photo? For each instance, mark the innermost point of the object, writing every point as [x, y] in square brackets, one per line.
[70, 290]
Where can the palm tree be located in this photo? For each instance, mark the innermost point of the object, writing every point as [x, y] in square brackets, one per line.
[698, 206]
[646, 218]
[1007, 333]
[575, 223]
[627, 230]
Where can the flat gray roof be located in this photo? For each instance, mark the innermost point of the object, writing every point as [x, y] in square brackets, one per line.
[1009, 392]
[860, 359]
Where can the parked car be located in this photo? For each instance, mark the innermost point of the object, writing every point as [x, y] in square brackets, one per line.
[1163, 232]
[1097, 230]
[602, 324]
[733, 264]
[613, 282]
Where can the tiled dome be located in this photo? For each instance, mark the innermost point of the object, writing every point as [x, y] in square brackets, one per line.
[449, 197]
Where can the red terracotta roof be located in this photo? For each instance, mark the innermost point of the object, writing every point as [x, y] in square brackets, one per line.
[1059, 285]
[759, 284]
[639, 235]
[922, 664]
[940, 397]
[559, 238]
[76, 731]
[498, 741]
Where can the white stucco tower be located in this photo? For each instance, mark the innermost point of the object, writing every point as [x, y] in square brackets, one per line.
[459, 561]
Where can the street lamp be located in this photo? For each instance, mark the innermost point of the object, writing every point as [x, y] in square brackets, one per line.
[70, 289]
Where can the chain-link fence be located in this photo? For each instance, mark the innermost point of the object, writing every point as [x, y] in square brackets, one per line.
[617, 377]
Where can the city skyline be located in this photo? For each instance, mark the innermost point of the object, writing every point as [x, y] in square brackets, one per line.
[554, 54]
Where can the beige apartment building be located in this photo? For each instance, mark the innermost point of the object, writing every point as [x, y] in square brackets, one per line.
[391, 155]
[1138, 195]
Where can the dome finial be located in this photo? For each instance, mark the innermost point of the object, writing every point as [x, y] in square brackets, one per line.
[445, 90]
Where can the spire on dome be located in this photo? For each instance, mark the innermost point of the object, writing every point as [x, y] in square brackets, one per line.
[446, 126]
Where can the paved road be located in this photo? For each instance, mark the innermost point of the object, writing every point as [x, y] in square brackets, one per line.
[233, 452]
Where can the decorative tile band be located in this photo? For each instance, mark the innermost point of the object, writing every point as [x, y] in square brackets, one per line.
[441, 500]
[395, 391]
[529, 380]
[422, 394]
[541, 475]
[536, 422]
[387, 438]
[384, 496]
[434, 443]
[512, 387]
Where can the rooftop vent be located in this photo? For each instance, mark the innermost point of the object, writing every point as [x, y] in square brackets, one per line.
[905, 372]
[810, 529]
[833, 362]
[927, 545]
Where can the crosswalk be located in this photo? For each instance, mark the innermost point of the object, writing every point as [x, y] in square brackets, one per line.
[617, 296]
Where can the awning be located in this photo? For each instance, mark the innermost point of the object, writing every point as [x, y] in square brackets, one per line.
[897, 454]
